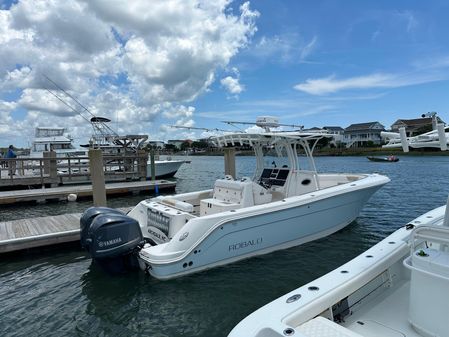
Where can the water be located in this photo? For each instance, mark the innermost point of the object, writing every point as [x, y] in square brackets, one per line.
[60, 293]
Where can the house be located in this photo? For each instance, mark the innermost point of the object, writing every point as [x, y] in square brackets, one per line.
[415, 126]
[363, 134]
[337, 131]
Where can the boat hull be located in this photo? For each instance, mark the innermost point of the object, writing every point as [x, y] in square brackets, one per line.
[280, 225]
[383, 160]
[164, 168]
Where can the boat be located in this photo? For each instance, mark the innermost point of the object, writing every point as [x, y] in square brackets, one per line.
[437, 138]
[279, 207]
[398, 287]
[57, 140]
[54, 139]
[112, 144]
[389, 159]
[107, 139]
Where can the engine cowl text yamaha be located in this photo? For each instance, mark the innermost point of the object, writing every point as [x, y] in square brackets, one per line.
[111, 238]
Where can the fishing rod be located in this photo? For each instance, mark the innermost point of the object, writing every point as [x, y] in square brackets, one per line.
[195, 128]
[98, 123]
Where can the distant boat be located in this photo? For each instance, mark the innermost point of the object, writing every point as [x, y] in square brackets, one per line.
[54, 139]
[389, 159]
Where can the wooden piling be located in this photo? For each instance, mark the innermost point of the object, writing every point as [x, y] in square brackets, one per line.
[97, 177]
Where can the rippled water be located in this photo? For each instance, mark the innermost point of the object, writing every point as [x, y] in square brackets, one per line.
[60, 293]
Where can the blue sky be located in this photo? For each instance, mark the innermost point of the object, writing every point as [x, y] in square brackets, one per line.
[196, 63]
[380, 60]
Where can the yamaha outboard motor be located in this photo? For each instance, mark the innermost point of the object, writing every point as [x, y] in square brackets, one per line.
[88, 216]
[111, 238]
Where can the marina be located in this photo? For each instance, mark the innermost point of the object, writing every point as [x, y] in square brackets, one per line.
[84, 298]
[224, 168]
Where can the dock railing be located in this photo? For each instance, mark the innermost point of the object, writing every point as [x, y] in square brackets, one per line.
[50, 170]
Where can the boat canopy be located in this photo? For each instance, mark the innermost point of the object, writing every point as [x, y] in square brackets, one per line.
[280, 141]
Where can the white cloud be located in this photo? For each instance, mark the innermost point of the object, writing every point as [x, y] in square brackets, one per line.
[308, 48]
[232, 85]
[328, 85]
[129, 61]
[284, 48]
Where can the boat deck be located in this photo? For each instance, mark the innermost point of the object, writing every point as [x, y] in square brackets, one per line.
[386, 315]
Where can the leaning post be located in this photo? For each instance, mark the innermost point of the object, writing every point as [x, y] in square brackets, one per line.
[97, 177]
[229, 161]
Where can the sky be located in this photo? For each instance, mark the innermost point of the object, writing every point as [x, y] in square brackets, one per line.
[150, 64]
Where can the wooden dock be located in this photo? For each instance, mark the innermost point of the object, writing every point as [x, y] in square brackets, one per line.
[61, 193]
[24, 234]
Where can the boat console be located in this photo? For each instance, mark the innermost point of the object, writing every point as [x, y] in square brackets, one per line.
[274, 176]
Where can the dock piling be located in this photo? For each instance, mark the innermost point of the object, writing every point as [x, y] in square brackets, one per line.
[97, 177]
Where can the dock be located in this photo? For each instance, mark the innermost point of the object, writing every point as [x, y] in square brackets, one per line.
[61, 192]
[37, 232]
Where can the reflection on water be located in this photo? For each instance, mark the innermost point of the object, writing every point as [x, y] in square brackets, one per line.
[61, 293]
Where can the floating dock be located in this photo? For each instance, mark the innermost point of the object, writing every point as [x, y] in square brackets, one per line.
[24, 234]
[61, 193]
[38, 232]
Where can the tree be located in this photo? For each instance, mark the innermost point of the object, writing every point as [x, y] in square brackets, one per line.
[170, 147]
[185, 145]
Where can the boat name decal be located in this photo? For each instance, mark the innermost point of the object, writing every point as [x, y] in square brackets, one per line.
[160, 236]
[245, 244]
[109, 242]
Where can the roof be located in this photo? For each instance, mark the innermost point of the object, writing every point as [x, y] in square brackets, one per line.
[362, 126]
[333, 128]
[416, 121]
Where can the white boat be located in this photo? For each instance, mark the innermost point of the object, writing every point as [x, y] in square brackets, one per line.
[279, 207]
[397, 288]
[53, 139]
[103, 137]
[106, 139]
[437, 138]
[165, 168]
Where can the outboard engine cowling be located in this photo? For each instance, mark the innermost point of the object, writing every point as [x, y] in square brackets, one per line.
[88, 216]
[112, 235]
[112, 239]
